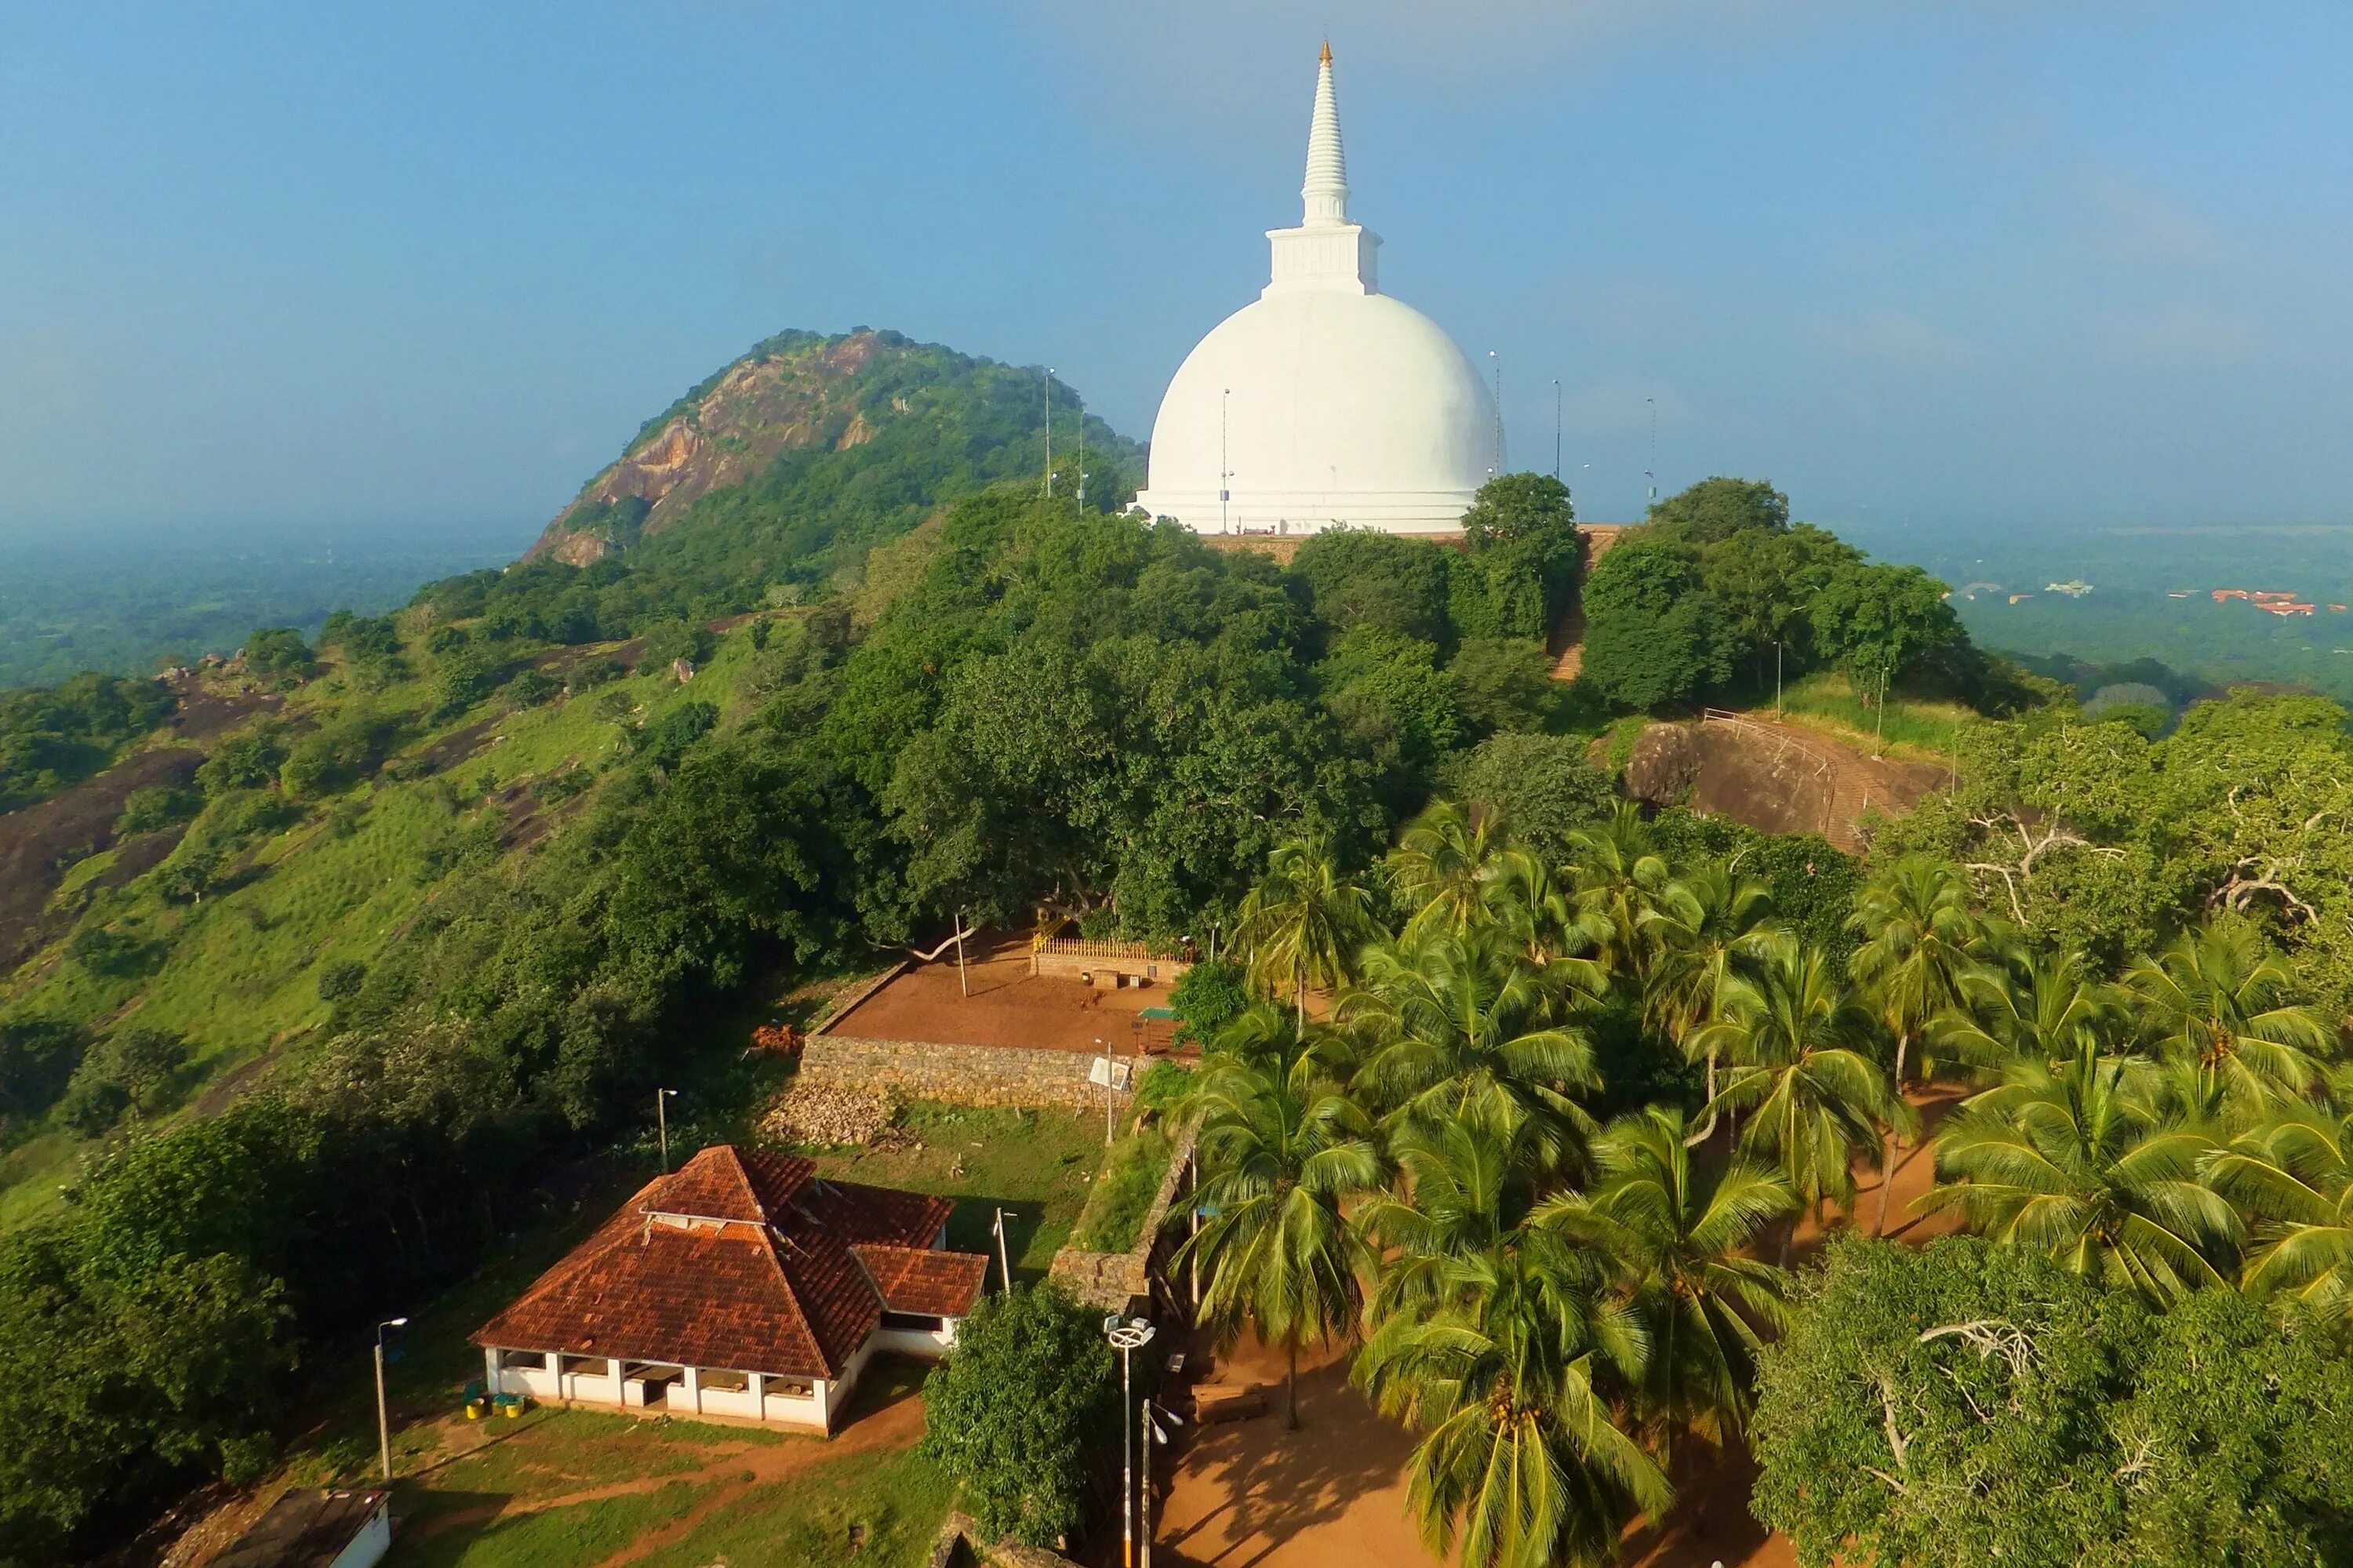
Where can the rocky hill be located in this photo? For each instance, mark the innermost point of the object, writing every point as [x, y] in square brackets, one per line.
[801, 409]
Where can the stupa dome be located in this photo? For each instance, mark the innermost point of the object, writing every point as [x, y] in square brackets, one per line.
[1325, 401]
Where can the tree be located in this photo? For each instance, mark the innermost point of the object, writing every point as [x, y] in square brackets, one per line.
[1505, 683]
[1718, 509]
[1883, 623]
[2217, 1005]
[1444, 859]
[1766, 579]
[2038, 1004]
[1304, 924]
[1281, 1148]
[1020, 1410]
[1680, 1232]
[2077, 1162]
[1207, 997]
[1362, 577]
[1509, 1360]
[1708, 928]
[1809, 1093]
[1618, 876]
[1514, 506]
[1463, 1028]
[1655, 636]
[1543, 786]
[1966, 1403]
[278, 650]
[2292, 1176]
[1921, 948]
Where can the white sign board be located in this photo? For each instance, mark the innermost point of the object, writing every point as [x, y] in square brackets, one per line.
[1111, 1073]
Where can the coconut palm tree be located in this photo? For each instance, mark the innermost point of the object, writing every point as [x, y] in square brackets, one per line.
[2035, 1005]
[2219, 1009]
[1464, 1027]
[1303, 924]
[1921, 947]
[1616, 873]
[1444, 860]
[1510, 1356]
[1680, 1233]
[1461, 1188]
[2295, 1175]
[1810, 1093]
[1281, 1148]
[1707, 928]
[2082, 1162]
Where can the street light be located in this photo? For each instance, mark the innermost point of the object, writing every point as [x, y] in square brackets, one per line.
[382, 1415]
[1127, 1336]
[1153, 1433]
[661, 1121]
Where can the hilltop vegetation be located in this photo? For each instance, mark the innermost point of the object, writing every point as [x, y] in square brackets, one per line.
[479, 879]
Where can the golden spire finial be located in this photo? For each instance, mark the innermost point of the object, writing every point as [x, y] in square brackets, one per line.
[1327, 53]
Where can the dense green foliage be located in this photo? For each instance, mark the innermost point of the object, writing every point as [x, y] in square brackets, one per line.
[1969, 1404]
[1718, 590]
[52, 737]
[1020, 1413]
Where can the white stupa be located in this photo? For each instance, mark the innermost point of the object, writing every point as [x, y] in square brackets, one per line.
[1325, 401]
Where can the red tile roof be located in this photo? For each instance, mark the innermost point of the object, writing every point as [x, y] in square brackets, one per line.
[918, 1279]
[741, 1260]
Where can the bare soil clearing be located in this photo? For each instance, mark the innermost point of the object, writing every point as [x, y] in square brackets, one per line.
[40, 843]
[1009, 1006]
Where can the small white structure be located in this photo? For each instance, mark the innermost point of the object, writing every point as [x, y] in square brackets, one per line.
[744, 1288]
[1325, 401]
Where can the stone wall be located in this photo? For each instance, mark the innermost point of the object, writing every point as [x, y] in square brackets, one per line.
[965, 1075]
[1115, 1281]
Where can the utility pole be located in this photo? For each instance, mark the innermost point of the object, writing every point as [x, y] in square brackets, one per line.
[1110, 1095]
[1050, 432]
[964, 982]
[1004, 1263]
[1652, 472]
[1127, 1336]
[1555, 427]
[1777, 677]
[383, 1413]
[1153, 1433]
[661, 1122]
[1082, 455]
[1495, 464]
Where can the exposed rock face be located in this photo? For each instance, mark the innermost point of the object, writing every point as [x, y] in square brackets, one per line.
[798, 390]
[1776, 777]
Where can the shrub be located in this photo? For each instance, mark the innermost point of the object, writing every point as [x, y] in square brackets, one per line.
[1122, 1193]
[532, 689]
[590, 674]
[157, 806]
[341, 980]
[1021, 1411]
[278, 650]
[1206, 997]
[673, 641]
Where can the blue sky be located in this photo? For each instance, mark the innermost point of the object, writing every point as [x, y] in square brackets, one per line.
[1962, 264]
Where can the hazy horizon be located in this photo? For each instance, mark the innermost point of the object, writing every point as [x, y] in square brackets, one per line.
[1959, 263]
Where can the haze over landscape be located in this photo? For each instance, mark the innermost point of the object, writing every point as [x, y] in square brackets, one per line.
[797, 784]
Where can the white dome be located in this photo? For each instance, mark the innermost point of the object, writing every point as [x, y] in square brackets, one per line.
[1325, 406]
[1326, 402]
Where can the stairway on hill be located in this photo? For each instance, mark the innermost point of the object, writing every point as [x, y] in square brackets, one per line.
[1566, 643]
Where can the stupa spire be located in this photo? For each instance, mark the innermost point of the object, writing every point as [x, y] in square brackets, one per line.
[1326, 190]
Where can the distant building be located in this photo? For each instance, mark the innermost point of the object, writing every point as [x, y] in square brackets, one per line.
[2075, 589]
[311, 1528]
[744, 1287]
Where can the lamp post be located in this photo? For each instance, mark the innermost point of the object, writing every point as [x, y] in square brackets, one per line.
[1127, 1336]
[1050, 432]
[661, 1122]
[1495, 464]
[1555, 427]
[383, 1414]
[1110, 1095]
[1004, 1262]
[1153, 1433]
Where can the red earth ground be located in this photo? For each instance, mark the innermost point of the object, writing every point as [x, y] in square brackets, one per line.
[1009, 1006]
[1332, 1495]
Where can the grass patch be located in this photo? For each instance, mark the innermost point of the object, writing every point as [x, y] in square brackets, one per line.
[1824, 701]
[805, 1521]
[1123, 1193]
[584, 1532]
[1623, 733]
[1036, 1164]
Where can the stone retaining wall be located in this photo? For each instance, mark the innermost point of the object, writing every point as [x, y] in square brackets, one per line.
[965, 1075]
[1115, 1281]
[845, 1001]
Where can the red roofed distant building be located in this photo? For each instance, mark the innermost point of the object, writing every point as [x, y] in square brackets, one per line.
[744, 1285]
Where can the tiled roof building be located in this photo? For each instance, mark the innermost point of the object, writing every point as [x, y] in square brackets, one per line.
[745, 1285]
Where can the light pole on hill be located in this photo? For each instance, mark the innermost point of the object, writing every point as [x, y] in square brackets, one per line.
[661, 1122]
[1153, 1433]
[1127, 1336]
[383, 1413]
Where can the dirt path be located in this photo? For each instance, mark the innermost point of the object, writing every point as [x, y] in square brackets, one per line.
[1567, 642]
[1333, 1494]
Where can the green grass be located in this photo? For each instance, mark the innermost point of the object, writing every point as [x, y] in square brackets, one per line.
[1825, 701]
[1037, 1164]
[1623, 733]
[1123, 1193]
[583, 1533]
[804, 1521]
